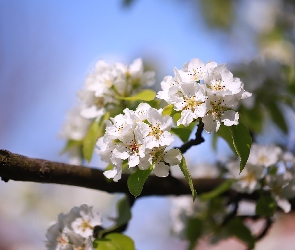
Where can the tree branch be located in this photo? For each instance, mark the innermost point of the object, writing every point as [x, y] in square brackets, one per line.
[20, 168]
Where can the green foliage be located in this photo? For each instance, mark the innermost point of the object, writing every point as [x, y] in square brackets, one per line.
[237, 228]
[123, 216]
[136, 181]
[144, 95]
[277, 116]
[223, 187]
[266, 206]
[194, 230]
[71, 144]
[242, 142]
[219, 14]
[114, 241]
[239, 140]
[168, 110]
[123, 210]
[95, 131]
[188, 177]
[252, 118]
[182, 133]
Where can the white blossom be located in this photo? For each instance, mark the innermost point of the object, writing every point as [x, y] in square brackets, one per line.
[264, 155]
[85, 221]
[282, 188]
[219, 111]
[75, 127]
[248, 179]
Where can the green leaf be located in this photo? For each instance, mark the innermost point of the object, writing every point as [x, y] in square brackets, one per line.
[237, 228]
[176, 117]
[145, 95]
[154, 103]
[71, 144]
[182, 133]
[136, 181]
[225, 133]
[266, 206]
[122, 241]
[242, 142]
[188, 177]
[223, 187]
[124, 214]
[194, 231]
[168, 110]
[95, 131]
[105, 244]
[239, 140]
[277, 116]
[252, 118]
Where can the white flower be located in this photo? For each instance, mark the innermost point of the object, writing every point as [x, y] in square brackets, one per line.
[119, 127]
[135, 72]
[196, 70]
[280, 187]
[264, 155]
[156, 133]
[218, 111]
[181, 209]
[248, 179]
[221, 82]
[191, 102]
[73, 231]
[141, 111]
[57, 237]
[76, 126]
[115, 173]
[131, 148]
[170, 86]
[85, 222]
[160, 159]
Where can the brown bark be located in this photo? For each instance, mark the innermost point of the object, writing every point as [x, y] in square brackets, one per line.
[21, 168]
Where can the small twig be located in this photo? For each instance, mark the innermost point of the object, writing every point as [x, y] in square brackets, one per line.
[268, 223]
[198, 139]
[235, 201]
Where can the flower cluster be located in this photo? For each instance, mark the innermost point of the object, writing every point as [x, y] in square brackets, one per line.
[267, 168]
[107, 83]
[73, 231]
[208, 91]
[139, 138]
[102, 91]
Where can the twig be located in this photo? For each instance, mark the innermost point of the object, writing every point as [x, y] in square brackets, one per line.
[198, 139]
[268, 223]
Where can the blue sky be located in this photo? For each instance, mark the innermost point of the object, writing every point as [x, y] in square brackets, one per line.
[48, 47]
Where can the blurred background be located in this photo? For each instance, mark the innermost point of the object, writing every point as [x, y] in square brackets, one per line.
[48, 47]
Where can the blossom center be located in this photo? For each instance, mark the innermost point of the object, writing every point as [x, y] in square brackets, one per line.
[134, 147]
[217, 85]
[85, 225]
[217, 109]
[156, 131]
[249, 177]
[262, 159]
[157, 154]
[191, 104]
[62, 240]
[195, 74]
[99, 102]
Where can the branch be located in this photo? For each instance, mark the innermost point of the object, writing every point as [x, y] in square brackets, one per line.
[20, 168]
[198, 139]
